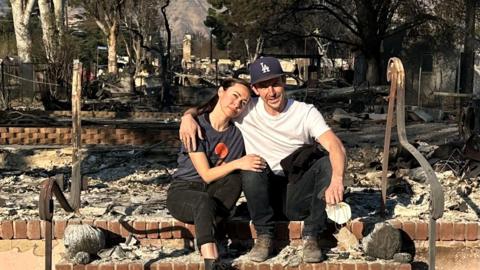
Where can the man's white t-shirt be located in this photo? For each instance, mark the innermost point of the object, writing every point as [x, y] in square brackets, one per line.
[276, 137]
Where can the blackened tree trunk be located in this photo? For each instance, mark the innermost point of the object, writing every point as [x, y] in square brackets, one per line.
[166, 61]
[371, 33]
[467, 68]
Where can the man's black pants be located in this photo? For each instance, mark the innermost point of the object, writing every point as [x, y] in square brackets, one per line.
[269, 196]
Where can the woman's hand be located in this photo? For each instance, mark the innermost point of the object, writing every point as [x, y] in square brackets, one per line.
[188, 129]
[251, 162]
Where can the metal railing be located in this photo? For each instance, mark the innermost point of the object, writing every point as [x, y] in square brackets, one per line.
[396, 77]
[49, 188]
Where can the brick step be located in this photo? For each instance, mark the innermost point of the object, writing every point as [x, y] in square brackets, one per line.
[169, 228]
[242, 266]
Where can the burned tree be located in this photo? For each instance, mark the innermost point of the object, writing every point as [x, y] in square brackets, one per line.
[107, 14]
[143, 41]
[244, 27]
[139, 35]
[166, 59]
[52, 22]
[21, 11]
[360, 24]
[468, 56]
[365, 24]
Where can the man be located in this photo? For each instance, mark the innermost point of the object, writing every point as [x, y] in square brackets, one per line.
[274, 127]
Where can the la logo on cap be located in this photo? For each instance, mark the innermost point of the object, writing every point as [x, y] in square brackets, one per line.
[265, 68]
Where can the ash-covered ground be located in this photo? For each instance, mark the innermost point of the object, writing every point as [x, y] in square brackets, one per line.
[132, 182]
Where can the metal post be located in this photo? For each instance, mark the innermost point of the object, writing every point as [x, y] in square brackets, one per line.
[48, 244]
[457, 90]
[216, 72]
[419, 101]
[46, 207]
[319, 68]
[386, 143]
[211, 47]
[432, 237]
[34, 79]
[4, 91]
[459, 75]
[305, 64]
[396, 75]
[96, 64]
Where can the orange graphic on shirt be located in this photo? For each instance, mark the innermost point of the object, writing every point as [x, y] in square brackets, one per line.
[221, 150]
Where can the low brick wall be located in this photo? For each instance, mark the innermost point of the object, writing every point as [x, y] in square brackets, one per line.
[171, 232]
[242, 230]
[243, 266]
[90, 136]
[116, 115]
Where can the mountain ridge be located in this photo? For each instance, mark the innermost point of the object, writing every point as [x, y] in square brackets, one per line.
[184, 16]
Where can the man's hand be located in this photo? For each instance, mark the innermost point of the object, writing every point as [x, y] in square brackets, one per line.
[334, 192]
[188, 129]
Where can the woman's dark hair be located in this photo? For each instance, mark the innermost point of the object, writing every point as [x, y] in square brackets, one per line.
[225, 84]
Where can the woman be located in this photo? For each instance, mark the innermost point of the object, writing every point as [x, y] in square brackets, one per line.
[207, 183]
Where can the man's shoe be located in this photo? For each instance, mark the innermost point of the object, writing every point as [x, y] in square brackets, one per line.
[262, 249]
[311, 250]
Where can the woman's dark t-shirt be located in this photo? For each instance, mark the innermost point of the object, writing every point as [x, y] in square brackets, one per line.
[219, 147]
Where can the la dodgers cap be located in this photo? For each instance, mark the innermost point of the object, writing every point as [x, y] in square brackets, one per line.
[264, 69]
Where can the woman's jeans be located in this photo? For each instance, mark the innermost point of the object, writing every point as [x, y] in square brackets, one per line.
[269, 196]
[204, 205]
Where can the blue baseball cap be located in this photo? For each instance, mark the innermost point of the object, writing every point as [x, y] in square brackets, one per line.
[264, 69]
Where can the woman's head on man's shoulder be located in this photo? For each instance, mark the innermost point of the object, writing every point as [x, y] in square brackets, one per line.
[231, 98]
[234, 94]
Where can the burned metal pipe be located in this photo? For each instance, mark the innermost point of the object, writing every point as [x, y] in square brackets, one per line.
[46, 207]
[396, 77]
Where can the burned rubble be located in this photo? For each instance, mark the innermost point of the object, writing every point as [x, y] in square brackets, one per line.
[132, 184]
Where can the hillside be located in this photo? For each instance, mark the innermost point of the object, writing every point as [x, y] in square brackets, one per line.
[4, 7]
[187, 16]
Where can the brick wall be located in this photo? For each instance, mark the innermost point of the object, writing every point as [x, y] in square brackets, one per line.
[242, 266]
[90, 136]
[242, 230]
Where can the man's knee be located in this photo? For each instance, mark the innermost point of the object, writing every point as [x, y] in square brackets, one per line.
[320, 171]
[323, 165]
[252, 180]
